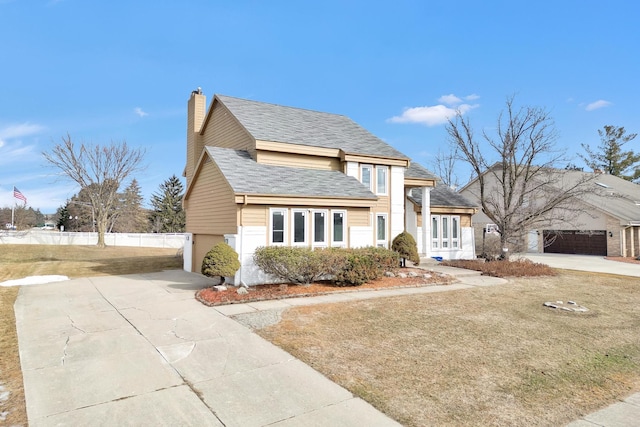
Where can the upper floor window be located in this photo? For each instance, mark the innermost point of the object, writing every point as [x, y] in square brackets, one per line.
[366, 172]
[381, 179]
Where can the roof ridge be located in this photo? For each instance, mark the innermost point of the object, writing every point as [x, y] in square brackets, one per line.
[218, 95]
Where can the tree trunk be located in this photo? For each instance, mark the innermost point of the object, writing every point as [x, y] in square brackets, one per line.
[222, 279]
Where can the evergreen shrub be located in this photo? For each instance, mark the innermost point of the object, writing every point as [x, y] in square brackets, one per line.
[221, 261]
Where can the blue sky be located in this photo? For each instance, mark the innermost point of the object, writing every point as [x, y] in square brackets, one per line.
[116, 70]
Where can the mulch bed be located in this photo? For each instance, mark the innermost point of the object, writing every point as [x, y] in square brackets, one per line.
[211, 297]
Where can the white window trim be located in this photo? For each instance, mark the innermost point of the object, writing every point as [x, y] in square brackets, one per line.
[386, 180]
[284, 226]
[435, 241]
[305, 213]
[384, 242]
[455, 241]
[325, 214]
[372, 176]
[450, 243]
[344, 228]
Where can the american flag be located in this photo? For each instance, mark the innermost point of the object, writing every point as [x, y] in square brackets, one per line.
[18, 195]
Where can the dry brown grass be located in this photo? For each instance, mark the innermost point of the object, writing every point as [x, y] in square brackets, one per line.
[486, 356]
[17, 261]
[516, 268]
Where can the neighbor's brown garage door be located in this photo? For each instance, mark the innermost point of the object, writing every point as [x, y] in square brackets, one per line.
[588, 242]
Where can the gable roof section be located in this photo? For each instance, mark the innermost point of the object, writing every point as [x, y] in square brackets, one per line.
[610, 194]
[246, 176]
[616, 196]
[277, 123]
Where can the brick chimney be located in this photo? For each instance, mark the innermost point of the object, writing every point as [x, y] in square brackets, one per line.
[196, 109]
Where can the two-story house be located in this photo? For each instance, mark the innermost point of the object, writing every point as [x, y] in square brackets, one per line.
[261, 174]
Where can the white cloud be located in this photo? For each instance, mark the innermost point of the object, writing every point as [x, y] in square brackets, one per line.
[450, 99]
[17, 131]
[140, 112]
[601, 103]
[436, 114]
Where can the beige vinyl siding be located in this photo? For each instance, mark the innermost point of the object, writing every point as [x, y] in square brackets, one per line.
[252, 215]
[298, 160]
[223, 130]
[358, 217]
[382, 205]
[210, 207]
[202, 243]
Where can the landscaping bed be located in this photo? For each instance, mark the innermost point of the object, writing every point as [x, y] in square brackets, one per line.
[211, 297]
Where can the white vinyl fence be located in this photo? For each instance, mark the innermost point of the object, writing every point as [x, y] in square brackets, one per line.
[42, 237]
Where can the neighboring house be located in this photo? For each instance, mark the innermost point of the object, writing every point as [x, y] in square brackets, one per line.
[605, 221]
[262, 174]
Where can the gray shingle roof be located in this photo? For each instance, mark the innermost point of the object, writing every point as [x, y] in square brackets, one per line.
[615, 196]
[416, 170]
[248, 177]
[277, 123]
[442, 195]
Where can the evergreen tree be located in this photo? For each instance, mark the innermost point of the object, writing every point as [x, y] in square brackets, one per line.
[610, 158]
[130, 216]
[167, 215]
[63, 217]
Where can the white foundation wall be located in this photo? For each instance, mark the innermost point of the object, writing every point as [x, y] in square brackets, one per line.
[245, 242]
[360, 237]
[466, 251]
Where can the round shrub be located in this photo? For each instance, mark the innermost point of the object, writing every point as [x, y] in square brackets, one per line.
[221, 261]
[405, 245]
[363, 265]
[296, 264]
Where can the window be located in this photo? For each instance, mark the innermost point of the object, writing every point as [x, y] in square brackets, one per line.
[445, 232]
[299, 227]
[338, 225]
[381, 230]
[278, 226]
[319, 224]
[455, 232]
[435, 226]
[381, 179]
[365, 175]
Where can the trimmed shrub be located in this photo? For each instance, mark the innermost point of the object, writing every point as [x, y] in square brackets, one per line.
[363, 265]
[221, 261]
[405, 245]
[296, 264]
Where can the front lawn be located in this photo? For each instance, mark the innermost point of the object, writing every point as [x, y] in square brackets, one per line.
[483, 356]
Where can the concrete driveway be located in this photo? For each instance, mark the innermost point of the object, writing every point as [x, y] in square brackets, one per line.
[140, 350]
[596, 264]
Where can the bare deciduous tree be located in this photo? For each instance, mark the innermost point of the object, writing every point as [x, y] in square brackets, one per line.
[99, 170]
[444, 166]
[519, 185]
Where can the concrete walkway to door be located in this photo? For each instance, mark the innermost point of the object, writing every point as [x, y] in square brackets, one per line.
[593, 263]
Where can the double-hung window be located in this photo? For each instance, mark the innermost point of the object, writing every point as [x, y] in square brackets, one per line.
[381, 230]
[366, 176]
[319, 228]
[338, 227]
[299, 226]
[278, 226]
